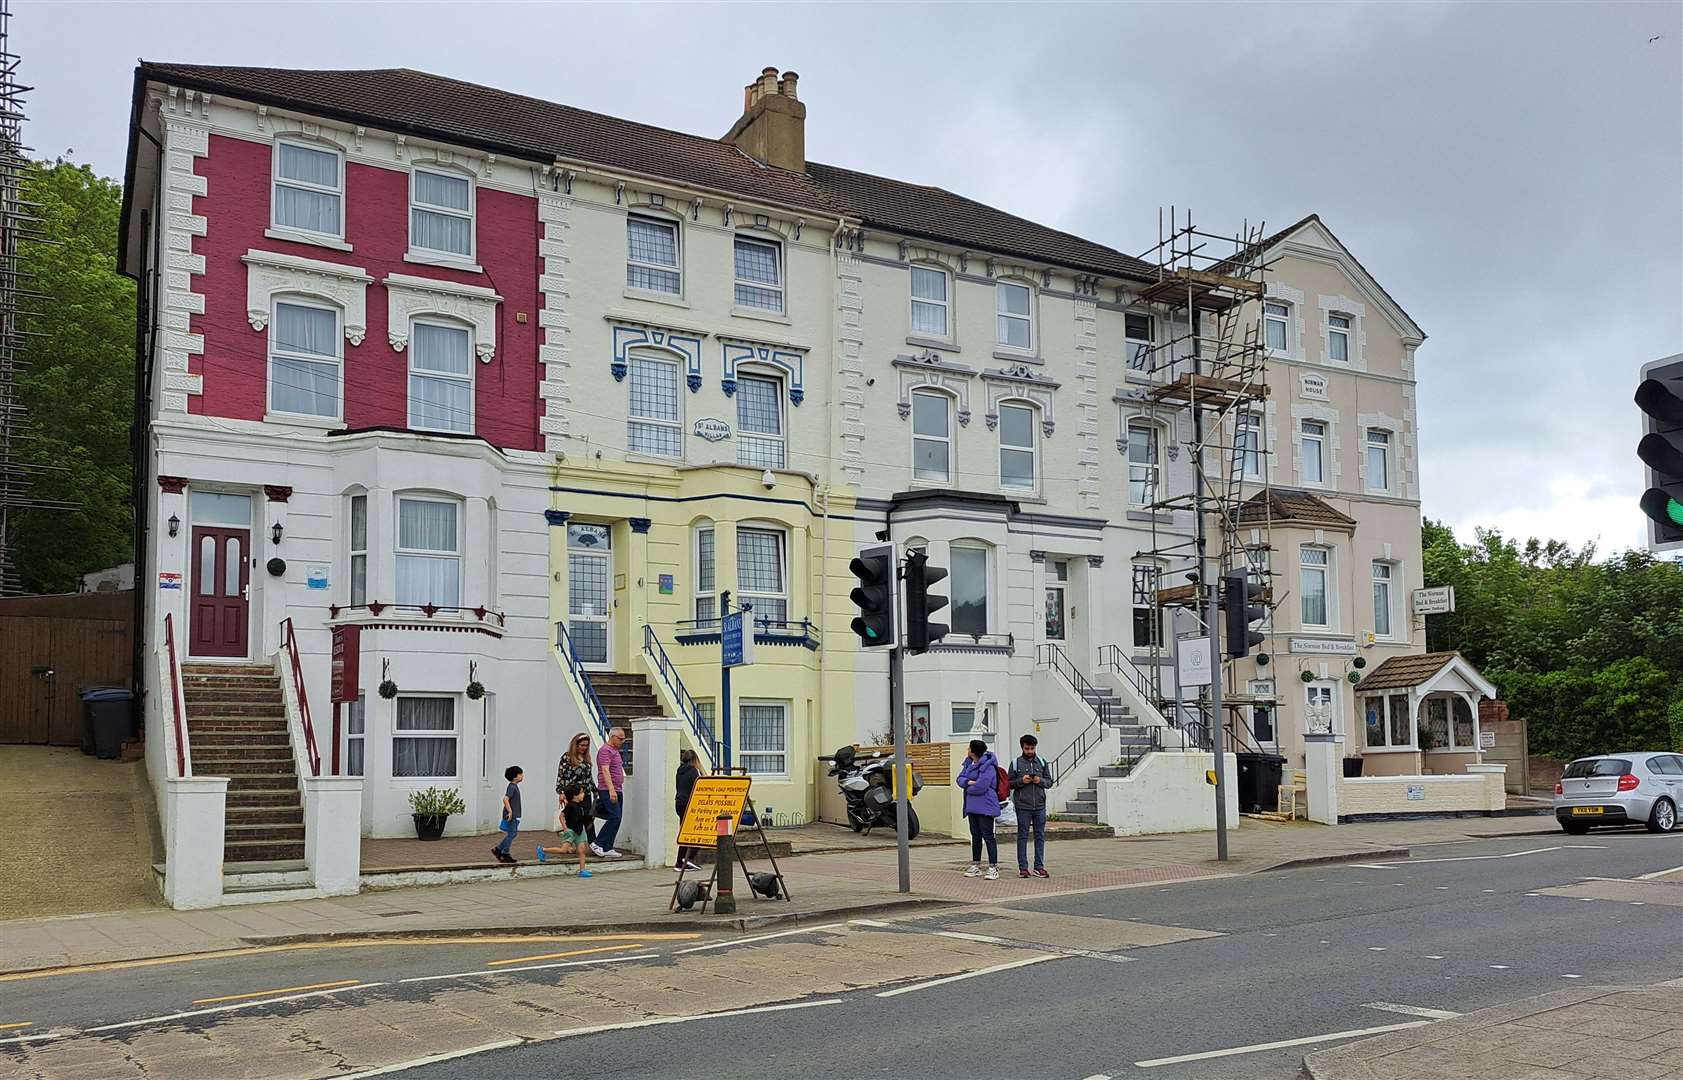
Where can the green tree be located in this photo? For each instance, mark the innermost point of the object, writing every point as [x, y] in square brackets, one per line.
[78, 382]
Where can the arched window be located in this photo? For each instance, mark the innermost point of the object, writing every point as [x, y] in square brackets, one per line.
[762, 572]
[932, 437]
[429, 551]
[706, 597]
[305, 358]
[356, 546]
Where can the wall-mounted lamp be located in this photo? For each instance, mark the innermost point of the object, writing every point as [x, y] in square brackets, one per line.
[174, 525]
[275, 532]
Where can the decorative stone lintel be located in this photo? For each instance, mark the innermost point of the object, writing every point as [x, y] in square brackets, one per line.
[1037, 556]
[1095, 560]
[172, 485]
[557, 518]
[277, 492]
[640, 525]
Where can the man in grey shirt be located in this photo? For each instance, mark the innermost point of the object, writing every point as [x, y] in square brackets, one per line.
[1030, 777]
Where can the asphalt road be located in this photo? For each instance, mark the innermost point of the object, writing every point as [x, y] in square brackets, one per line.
[1298, 955]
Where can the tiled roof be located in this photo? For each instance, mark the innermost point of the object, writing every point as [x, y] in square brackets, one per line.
[1402, 672]
[407, 101]
[1286, 505]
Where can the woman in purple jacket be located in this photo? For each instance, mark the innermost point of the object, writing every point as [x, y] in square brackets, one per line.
[980, 780]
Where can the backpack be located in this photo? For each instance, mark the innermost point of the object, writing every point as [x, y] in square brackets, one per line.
[1004, 782]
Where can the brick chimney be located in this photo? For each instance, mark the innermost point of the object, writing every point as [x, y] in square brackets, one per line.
[773, 124]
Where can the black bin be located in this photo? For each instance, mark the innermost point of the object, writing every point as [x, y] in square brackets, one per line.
[108, 719]
[1259, 782]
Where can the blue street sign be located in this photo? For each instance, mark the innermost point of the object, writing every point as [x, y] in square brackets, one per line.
[736, 639]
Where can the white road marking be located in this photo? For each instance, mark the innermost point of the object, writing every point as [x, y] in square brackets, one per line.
[1258, 1047]
[867, 922]
[1571, 976]
[530, 967]
[661, 1020]
[761, 937]
[433, 1059]
[1659, 874]
[1368, 866]
[233, 1008]
[1487, 890]
[41, 1037]
[962, 936]
[1483, 858]
[1412, 1010]
[1037, 958]
[1433, 956]
[1098, 1076]
[1498, 967]
[1376, 948]
[1639, 903]
[1441, 888]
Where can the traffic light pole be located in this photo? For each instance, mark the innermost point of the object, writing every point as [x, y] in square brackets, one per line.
[902, 775]
[1216, 725]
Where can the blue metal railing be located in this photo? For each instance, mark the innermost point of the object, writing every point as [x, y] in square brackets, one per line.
[700, 726]
[801, 630]
[581, 679]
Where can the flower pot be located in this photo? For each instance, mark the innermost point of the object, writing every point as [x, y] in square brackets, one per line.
[430, 826]
[1352, 767]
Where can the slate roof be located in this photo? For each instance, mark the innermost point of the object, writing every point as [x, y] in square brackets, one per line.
[1291, 505]
[1402, 672]
[406, 101]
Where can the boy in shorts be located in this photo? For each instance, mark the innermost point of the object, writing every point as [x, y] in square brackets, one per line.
[575, 815]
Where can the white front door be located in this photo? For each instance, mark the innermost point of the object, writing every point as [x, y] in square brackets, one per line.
[590, 600]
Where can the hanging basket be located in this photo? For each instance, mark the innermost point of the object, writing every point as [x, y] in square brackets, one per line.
[475, 690]
[1306, 676]
[388, 689]
[1354, 676]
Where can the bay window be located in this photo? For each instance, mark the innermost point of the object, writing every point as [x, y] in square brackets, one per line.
[1384, 599]
[424, 737]
[304, 360]
[762, 573]
[654, 426]
[358, 550]
[706, 604]
[932, 441]
[651, 255]
[1016, 447]
[1314, 581]
[441, 213]
[308, 189]
[969, 590]
[356, 730]
[429, 563]
[1148, 617]
[440, 377]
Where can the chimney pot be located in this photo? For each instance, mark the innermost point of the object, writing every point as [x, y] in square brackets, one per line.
[772, 128]
[786, 85]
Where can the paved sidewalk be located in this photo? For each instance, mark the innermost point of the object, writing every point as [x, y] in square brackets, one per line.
[1585, 1033]
[824, 886]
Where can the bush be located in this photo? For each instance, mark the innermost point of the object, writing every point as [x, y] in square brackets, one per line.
[437, 802]
[1674, 716]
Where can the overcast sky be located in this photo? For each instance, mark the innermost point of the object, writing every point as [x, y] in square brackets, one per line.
[1511, 173]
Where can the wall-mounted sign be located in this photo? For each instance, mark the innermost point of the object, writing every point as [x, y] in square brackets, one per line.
[316, 576]
[666, 584]
[1439, 600]
[1487, 740]
[346, 682]
[1416, 792]
[1192, 661]
[1313, 386]
[1322, 646]
[168, 579]
[712, 430]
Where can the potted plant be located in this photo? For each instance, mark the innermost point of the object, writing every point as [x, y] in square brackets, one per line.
[432, 807]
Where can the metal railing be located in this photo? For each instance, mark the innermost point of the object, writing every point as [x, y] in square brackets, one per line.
[1078, 749]
[581, 679]
[289, 642]
[700, 726]
[1051, 655]
[802, 630]
[1113, 658]
[181, 768]
[483, 614]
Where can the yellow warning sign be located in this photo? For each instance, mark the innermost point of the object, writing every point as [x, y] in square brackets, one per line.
[713, 797]
[1210, 777]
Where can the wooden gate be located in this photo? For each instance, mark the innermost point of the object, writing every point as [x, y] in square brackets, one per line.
[51, 647]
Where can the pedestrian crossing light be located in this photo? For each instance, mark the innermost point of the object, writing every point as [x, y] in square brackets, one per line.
[921, 603]
[1660, 397]
[874, 595]
[1240, 596]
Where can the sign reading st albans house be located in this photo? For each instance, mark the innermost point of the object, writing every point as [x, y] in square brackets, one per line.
[712, 430]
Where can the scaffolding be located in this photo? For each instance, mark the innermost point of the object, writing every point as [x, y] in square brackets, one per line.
[1205, 380]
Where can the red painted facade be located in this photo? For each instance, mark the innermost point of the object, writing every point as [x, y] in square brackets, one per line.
[376, 378]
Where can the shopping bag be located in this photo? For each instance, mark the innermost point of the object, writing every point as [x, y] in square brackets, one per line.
[1007, 815]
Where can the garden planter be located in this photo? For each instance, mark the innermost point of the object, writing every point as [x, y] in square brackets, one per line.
[430, 826]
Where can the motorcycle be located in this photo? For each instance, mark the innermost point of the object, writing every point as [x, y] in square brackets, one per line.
[866, 782]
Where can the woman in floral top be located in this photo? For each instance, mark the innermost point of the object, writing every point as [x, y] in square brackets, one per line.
[578, 767]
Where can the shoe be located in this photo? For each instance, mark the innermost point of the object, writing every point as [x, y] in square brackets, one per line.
[688, 866]
[541, 856]
[611, 854]
[585, 873]
[973, 871]
[1020, 873]
[1040, 871]
[992, 874]
[497, 854]
[596, 851]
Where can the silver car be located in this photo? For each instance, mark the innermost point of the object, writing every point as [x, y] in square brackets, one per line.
[1620, 789]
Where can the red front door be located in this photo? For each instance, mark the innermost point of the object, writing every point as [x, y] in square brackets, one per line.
[221, 573]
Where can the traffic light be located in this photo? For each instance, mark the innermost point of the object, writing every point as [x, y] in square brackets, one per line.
[874, 595]
[920, 603]
[1239, 594]
[1660, 397]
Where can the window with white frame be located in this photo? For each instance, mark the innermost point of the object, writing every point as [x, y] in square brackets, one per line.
[440, 377]
[968, 589]
[441, 212]
[932, 437]
[1148, 617]
[1014, 305]
[654, 425]
[1314, 581]
[429, 559]
[762, 573]
[917, 730]
[759, 421]
[1247, 444]
[968, 724]
[304, 359]
[651, 255]
[759, 274]
[356, 729]
[309, 189]
[1139, 331]
[929, 301]
[1339, 326]
[357, 536]
[1017, 447]
[1312, 451]
[1276, 324]
[706, 603]
[424, 737]
[1378, 459]
[764, 727]
[1384, 598]
[1144, 462]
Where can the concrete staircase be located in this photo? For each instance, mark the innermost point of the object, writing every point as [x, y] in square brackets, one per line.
[625, 697]
[1084, 805]
[236, 725]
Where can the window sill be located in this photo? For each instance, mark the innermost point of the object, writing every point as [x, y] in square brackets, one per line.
[448, 262]
[1385, 750]
[307, 238]
[418, 430]
[932, 343]
[1025, 357]
[760, 314]
[321, 423]
[669, 299]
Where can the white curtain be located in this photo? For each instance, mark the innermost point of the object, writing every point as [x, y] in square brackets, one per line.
[437, 189]
[442, 404]
[298, 386]
[301, 208]
[311, 166]
[439, 348]
[309, 330]
[428, 755]
[425, 525]
[428, 579]
[442, 232]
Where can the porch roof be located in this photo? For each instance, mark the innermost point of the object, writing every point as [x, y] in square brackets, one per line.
[1426, 672]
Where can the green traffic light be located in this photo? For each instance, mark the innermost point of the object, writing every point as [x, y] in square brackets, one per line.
[1674, 511]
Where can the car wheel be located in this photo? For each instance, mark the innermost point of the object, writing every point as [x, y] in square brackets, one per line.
[1575, 828]
[1663, 818]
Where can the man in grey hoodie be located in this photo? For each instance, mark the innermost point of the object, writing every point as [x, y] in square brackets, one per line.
[1030, 777]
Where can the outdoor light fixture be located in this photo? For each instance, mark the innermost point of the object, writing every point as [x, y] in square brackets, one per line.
[275, 532]
[174, 525]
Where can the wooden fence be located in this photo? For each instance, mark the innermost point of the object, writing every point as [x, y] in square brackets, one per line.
[51, 647]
